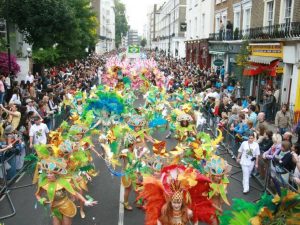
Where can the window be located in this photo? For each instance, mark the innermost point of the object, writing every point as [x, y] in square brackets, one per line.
[217, 24]
[287, 11]
[270, 12]
[237, 20]
[190, 27]
[246, 20]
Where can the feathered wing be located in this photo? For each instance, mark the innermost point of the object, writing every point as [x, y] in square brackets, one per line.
[153, 194]
[202, 207]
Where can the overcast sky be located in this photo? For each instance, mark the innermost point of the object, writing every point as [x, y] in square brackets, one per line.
[137, 12]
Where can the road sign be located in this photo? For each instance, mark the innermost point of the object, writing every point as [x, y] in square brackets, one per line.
[183, 27]
[134, 49]
[218, 62]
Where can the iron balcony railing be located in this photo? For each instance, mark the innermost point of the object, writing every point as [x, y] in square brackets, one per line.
[284, 31]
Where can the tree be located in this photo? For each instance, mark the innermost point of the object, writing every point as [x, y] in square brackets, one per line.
[68, 24]
[143, 42]
[121, 24]
[15, 68]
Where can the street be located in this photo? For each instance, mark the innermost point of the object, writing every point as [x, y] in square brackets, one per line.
[104, 188]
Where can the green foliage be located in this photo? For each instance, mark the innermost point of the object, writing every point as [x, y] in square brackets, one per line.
[70, 25]
[242, 57]
[45, 57]
[121, 24]
[143, 42]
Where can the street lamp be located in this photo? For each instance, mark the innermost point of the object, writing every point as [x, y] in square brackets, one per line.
[8, 38]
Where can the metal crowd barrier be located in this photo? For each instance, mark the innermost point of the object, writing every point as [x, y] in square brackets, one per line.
[5, 186]
[230, 145]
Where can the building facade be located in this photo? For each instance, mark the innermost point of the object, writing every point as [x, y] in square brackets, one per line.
[170, 28]
[199, 17]
[271, 28]
[106, 31]
[133, 37]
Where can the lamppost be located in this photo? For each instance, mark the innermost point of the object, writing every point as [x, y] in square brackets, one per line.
[8, 37]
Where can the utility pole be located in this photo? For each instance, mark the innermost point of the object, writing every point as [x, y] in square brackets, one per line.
[8, 38]
[169, 44]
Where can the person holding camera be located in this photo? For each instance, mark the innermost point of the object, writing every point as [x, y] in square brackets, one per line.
[14, 115]
[248, 157]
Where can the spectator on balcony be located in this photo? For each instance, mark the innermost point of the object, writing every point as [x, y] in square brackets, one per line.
[221, 30]
[283, 120]
[229, 30]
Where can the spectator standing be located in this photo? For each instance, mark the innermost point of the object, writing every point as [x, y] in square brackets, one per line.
[237, 92]
[222, 73]
[8, 87]
[270, 103]
[221, 30]
[16, 97]
[29, 78]
[14, 115]
[252, 115]
[229, 29]
[283, 120]
[248, 158]
[2, 89]
[38, 132]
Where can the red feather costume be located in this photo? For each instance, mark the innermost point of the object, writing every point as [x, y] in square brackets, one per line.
[157, 193]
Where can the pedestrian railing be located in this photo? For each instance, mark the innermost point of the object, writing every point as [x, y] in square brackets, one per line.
[266, 176]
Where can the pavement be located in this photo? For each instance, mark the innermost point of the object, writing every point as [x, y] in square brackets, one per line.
[106, 189]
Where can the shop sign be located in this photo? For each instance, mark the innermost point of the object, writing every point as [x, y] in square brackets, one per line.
[218, 47]
[218, 62]
[268, 49]
[279, 70]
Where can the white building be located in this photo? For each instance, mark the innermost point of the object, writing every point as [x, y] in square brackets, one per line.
[107, 27]
[169, 28]
[199, 18]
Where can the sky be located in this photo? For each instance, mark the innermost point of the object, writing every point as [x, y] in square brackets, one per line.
[136, 11]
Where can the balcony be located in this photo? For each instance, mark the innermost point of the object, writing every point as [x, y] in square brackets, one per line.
[278, 31]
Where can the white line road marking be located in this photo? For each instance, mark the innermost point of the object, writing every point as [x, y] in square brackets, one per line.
[121, 206]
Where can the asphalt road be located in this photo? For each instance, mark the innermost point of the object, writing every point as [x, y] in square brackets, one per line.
[104, 188]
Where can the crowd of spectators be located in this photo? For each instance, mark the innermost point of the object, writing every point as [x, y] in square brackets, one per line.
[29, 109]
[241, 117]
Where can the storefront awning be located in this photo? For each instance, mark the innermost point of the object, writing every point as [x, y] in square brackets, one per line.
[262, 59]
[262, 68]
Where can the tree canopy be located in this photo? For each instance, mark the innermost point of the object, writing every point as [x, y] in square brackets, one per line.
[143, 42]
[70, 25]
[121, 24]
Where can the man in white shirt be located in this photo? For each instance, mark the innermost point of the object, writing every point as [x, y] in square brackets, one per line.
[29, 78]
[38, 132]
[247, 157]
